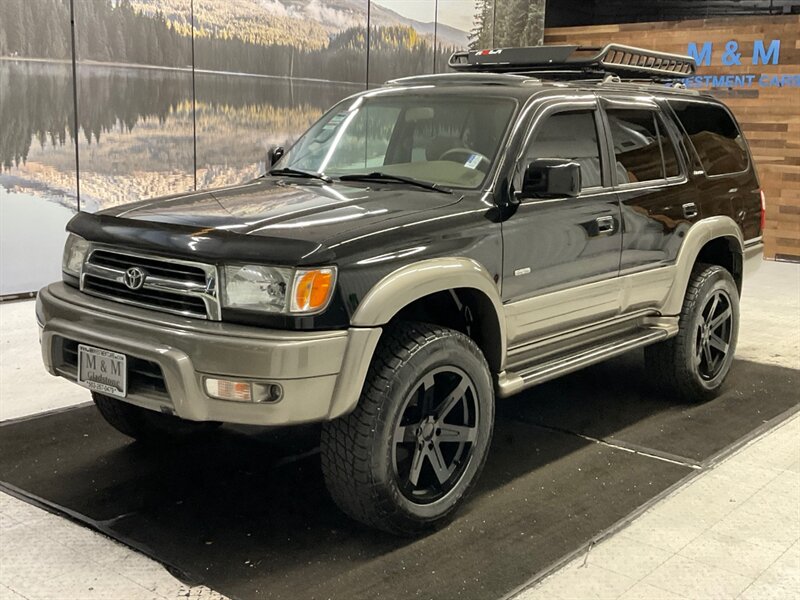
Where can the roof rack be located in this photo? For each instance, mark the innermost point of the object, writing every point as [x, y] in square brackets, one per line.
[562, 61]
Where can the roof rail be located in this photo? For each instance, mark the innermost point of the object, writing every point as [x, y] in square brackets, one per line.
[514, 79]
[563, 61]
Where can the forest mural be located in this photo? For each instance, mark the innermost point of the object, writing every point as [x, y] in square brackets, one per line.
[507, 23]
[175, 95]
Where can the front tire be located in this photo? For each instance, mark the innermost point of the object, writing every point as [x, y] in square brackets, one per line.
[694, 364]
[412, 449]
[147, 425]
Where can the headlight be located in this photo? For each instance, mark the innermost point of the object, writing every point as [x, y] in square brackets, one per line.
[75, 251]
[278, 290]
[256, 287]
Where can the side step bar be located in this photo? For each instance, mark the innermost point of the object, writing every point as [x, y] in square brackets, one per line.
[510, 383]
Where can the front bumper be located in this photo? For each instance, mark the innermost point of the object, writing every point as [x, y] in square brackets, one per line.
[321, 373]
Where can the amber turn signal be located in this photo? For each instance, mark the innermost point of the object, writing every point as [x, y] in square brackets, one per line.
[312, 289]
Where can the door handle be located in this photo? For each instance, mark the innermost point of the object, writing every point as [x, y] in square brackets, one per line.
[690, 210]
[605, 224]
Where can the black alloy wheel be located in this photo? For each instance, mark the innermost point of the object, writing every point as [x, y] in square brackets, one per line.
[435, 435]
[714, 331]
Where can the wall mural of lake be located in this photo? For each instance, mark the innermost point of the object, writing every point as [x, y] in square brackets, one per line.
[174, 95]
[38, 183]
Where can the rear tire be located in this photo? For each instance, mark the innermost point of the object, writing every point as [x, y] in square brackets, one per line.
[693, 365]
[413, 448]
[147, 425]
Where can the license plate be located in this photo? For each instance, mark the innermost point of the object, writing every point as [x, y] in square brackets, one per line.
[102, 370]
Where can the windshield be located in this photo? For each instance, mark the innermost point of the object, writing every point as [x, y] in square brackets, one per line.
[443, 139]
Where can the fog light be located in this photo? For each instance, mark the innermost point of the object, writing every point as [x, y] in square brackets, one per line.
[224, 389]
[274, 392]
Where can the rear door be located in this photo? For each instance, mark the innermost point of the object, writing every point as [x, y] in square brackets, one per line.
[649, 173]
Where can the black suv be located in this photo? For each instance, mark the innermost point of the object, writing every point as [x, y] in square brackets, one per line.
[424, 248]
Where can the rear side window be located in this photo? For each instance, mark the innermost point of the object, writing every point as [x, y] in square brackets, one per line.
[642, 148]
[571, 135]
[714, 134]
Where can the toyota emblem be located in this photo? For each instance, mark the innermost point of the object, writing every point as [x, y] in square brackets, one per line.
[134, 278]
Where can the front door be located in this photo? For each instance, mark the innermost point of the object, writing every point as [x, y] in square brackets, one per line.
[561, 255]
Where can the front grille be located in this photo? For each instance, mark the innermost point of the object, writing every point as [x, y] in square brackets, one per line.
[169, 285]
[151, 265]
[165, 301]
[144, 376]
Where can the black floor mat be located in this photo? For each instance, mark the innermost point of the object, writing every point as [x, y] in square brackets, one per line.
[246, 513]
[614, 401]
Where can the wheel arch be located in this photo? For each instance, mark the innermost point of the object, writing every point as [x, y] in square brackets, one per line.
[725, 252]
[428, 281]
[716, 240]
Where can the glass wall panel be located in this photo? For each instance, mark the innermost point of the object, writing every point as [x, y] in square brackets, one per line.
[461, 25]
[244, 75]
[402, 40]
[134, 99]
[266, 71]
[518, 23]
[37, 153]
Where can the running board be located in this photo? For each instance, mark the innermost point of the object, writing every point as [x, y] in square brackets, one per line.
[510, 383]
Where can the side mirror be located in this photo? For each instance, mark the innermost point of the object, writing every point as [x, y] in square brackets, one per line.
[551, 178]
[274, 155]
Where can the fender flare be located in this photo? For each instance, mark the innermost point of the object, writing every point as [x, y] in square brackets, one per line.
[400, 288]
[697, 237]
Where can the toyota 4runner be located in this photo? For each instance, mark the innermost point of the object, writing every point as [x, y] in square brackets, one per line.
[424, 248]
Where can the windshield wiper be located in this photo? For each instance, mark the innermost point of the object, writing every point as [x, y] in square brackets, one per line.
[378, 176]
[298, 173]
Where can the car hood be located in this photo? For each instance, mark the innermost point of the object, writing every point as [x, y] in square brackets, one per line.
[279, 220]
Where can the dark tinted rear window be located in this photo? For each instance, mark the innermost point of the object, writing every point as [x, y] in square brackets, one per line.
[715, 136]
[642, 147]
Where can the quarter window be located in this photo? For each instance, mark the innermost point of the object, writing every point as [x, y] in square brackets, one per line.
[714, 134]
[570, 135]
[643, 150]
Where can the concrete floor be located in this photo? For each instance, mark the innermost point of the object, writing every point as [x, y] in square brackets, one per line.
[733, 532]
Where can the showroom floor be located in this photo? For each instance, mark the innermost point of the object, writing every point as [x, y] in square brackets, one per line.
[731, 531]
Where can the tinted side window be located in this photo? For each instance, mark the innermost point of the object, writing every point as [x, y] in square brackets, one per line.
[636, 145]
[714, 135]
[571, 135]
